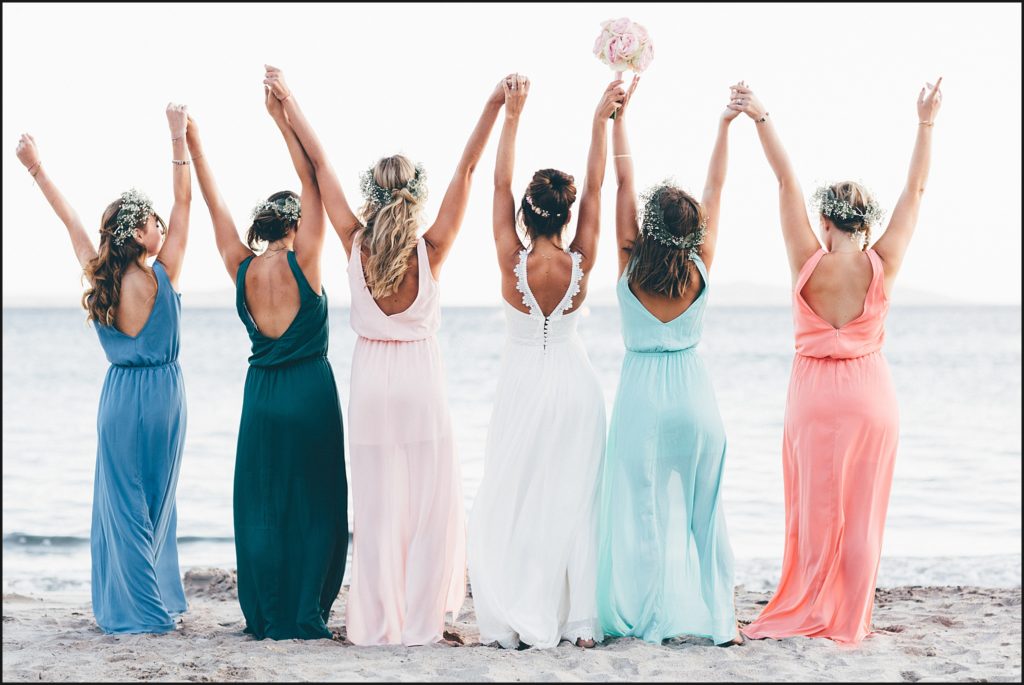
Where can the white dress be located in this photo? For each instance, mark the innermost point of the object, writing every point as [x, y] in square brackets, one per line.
[533, 529]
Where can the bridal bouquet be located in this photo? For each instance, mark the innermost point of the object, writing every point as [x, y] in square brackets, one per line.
[624, 45]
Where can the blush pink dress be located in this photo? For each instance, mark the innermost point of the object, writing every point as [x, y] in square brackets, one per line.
[838, 452]
[409, 531]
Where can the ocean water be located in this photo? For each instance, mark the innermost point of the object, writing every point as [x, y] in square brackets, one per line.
[954, 514]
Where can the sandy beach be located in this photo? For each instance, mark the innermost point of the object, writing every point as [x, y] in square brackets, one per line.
[922, 634]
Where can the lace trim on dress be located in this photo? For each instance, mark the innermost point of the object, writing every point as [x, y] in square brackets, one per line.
[574, 285]
[524, 287]
[579, 630]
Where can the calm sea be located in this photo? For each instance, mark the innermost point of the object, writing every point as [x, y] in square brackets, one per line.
[954, 516]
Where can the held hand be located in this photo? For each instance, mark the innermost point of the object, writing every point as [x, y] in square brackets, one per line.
[27, 152]
[625, 100]
[929, 102]
[497, 96]
[611, 100]
[275, 79]
[516, 87]
[744, 100]
[274, 106]
[177, 119]
[730, 113]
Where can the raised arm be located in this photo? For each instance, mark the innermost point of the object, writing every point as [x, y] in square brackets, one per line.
[801, 242]
[626, 228]
[894, 242]
[172, 254]
[28, 154]
[588, 226]
[711, 199]
[232, 250]
[514, 88]
[339, 212]
[309, 241]
[441, 235]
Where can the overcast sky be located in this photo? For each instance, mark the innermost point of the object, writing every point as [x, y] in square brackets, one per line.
[841, 82]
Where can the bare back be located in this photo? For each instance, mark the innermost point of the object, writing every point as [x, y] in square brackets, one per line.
[665, 308]
[271, 293]
[138, 295]
[408, 290]
[838, 286]
[548, 274]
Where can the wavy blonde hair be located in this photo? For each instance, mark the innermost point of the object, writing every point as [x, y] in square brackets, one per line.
[390, 231]
[106, 270]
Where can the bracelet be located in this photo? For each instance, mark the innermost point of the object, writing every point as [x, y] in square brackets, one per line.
[178, 137]
[180, 162]
[34, 166]
[617, 156]
[195, 157]
[926, 123]
[764, 118]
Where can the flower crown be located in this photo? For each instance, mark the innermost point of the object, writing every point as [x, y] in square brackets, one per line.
[539, 210]
[825, 202]
[289, 208]
[381, 196]
[135, 209]
[652, 223]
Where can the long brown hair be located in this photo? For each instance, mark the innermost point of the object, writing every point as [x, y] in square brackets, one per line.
[661, 269]
[106, 270]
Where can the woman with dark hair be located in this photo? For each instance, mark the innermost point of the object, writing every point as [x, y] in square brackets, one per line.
[841, 427]
[136, 310]
[532, 532]
[290, 491]
[664, 560]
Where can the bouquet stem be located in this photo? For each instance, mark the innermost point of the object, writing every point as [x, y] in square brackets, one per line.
[618, 77]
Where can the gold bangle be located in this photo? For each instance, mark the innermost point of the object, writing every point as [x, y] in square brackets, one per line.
[35, 166]
[926, 123]
[195, 157]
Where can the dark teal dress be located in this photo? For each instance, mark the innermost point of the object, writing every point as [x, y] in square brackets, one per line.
[290, 499]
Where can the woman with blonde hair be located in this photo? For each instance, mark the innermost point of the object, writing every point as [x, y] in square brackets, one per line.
[290, 518]
[136, 311]
[409, 544]
[842, 419]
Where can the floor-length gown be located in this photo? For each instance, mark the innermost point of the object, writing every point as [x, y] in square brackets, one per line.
[665, 566]
[838, 452]
[136, 584]
[409, 531]
[533, 528]
[290, 506]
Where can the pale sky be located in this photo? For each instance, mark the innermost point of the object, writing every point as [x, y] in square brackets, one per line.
[841, 81]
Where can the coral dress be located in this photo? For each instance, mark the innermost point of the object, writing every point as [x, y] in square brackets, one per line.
[533, 528]
[838, 452]
[409, 531]
[665, 566]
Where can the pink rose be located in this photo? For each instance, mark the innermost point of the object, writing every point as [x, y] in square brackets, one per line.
[645, 58]
[628, 44]
[620, 25]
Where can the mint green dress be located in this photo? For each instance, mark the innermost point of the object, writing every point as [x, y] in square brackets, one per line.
[665, 567]
[290, 497]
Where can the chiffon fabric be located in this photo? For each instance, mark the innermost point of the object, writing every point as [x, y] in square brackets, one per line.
[409, 540]
[290, 508]
[665, 566]
[533, 532]
[136, 583]
[838, 451]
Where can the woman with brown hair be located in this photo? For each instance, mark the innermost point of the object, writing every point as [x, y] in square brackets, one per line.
[665, 564]
[136, 310]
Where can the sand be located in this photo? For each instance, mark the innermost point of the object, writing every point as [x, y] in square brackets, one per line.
[922, 634]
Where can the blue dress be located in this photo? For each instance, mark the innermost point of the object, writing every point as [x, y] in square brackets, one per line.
[665, 566]
[136, 584]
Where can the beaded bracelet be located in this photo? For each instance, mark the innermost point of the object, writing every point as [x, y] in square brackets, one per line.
[180, 162]
[764, 118]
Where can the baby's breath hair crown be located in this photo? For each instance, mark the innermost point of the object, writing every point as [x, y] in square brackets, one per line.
[135, 209]
[652, 222]
[538, 210]
[417, 187]
[289, 208]
[826, 203]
